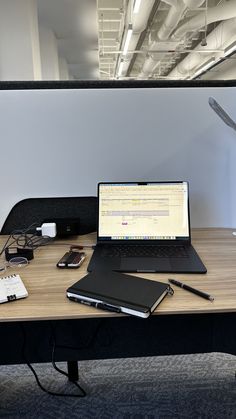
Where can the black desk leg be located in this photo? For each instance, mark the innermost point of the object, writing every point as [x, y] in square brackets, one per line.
[73, 372]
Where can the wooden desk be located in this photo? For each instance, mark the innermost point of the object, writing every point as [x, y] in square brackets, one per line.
[197, 324]
[47, 284]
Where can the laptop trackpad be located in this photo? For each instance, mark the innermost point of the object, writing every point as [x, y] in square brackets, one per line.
[145, 264]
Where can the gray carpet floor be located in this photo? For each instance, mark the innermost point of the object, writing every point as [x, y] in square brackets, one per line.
[201, 386]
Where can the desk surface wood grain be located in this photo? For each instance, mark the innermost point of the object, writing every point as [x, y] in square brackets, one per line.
[47, 285]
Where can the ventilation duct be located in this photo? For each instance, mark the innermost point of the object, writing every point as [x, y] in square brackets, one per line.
[174, 15]
[224, 11]
[193, 4]
[223, 35]
[176, 12]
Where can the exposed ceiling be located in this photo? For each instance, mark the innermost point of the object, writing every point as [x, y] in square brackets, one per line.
[169, 39]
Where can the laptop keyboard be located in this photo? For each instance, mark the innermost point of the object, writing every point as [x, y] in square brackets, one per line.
[144, 251]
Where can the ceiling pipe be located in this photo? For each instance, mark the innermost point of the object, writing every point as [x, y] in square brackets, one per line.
[193, 4]
[224, 11]
[174, 15]
[171, 2]
[176, 12]
[139, 22]
[218, 39]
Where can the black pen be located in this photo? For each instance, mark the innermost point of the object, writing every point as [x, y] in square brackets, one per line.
[102, 306]
[193, 290]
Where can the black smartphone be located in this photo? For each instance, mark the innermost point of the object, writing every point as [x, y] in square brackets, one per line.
[71, 260]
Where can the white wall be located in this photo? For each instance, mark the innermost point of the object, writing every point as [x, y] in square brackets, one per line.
[19, 40]
[49, 54]
[62, 142]
[63, 69]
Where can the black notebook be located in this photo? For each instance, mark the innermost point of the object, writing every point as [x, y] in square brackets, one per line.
[121, 293]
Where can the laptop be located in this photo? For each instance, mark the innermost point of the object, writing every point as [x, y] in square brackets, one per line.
[144, 227]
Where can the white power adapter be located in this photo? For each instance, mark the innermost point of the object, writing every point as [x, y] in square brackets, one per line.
[48, 229]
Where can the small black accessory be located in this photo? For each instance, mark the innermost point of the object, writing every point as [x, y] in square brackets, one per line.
[65, 226]
[13, 252]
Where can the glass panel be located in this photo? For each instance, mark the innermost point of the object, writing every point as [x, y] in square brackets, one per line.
[117, 40]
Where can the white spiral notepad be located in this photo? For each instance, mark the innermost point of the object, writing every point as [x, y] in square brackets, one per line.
[12, 288]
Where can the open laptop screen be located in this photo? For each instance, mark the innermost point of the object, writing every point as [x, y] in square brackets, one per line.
[143, 211]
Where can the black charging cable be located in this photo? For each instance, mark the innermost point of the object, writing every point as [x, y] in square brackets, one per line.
[52, 393]
[25, 239]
